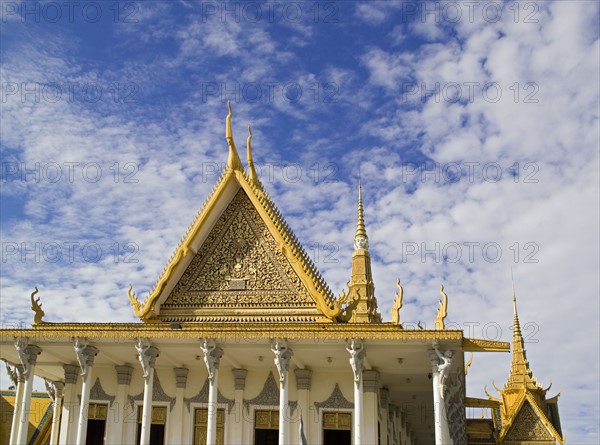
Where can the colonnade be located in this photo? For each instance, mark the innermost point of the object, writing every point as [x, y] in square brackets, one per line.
[368, 396]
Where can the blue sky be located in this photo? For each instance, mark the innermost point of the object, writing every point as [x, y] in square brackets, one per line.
[474, 128]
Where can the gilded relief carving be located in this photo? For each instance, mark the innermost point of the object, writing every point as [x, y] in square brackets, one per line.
[239, 264]
[528, 426]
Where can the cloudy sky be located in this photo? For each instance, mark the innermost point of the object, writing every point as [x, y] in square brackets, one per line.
[473, 125]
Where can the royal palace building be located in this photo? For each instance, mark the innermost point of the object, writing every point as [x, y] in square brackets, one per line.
[241, 341]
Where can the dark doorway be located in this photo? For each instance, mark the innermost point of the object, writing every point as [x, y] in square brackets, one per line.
[157, 434]
[337, 437]
[266, 437]
[95, 432]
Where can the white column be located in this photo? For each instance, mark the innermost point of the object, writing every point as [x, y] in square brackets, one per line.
[212, 358]
[56, 393]
[176, 432]
[384, 396]
[28, 354]
[283, 354]
[303, 384]
[68, 408]
[18, 378]
[114, 433]
[440, 368]
[357, 357]
[147, 356]
[85, 356]
[239, 376]
[370, 417]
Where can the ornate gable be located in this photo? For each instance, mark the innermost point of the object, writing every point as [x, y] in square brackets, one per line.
[239, 261]
[527, 426]
[239, 272]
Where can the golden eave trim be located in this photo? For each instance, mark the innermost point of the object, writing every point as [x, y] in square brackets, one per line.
[337, 331]
[474, 402]
[293, 249]
[146, 309]
[480, 345]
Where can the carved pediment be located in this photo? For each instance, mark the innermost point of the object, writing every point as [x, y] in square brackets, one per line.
[239, 265]
[527, 426]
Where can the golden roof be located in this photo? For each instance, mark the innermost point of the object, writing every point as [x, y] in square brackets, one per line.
[240, 195]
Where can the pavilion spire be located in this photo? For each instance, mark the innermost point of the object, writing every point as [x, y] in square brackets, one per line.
[233, 161]
[362, 288]
[361, 241]
[520, 372]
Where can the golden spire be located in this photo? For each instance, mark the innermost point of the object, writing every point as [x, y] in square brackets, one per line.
[522, 389]
[361, 241]
[361, 284]
[252, 176]
[233, 162]
[520, 373]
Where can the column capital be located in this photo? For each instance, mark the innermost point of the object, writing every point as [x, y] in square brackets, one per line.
[384, 399]
[86, 354]
[71, 372]
[55, 390]
[357, 358]
[303, 378]
[212, 357]
[239, 375]
[283, 354]
[124, 373]
[371, 380]
[147, 355]
[27, 354]
[15, 372]
[181, 375]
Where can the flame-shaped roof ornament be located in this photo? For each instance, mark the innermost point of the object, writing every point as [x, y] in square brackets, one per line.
[233, 161]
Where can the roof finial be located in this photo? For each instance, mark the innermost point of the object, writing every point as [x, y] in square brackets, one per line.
[520, 373]
[37, 308]
[252, 176]
[442, 311]
[361, 241]
[512, 278]
[233, 162]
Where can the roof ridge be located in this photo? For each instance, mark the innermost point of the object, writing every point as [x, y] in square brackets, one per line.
[288, 235]
[187, 232]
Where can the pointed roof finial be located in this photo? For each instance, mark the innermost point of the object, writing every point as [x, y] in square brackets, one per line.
[252, 176]
[520, 373]
[361, 241]
[233, 161]
[514, 300]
